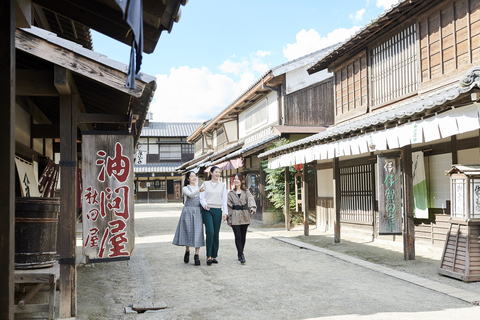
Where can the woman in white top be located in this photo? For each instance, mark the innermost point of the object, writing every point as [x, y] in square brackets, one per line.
[213, 201]
[189, 231]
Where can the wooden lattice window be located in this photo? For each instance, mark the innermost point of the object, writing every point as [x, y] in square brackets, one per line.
[351, 98]
[394, 67]
[356, 194]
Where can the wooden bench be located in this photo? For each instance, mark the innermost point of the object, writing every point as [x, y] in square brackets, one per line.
[40, 277]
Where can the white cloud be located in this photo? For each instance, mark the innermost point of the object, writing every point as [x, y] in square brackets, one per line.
[358, 15]
[195, 95]
[262, 54]
[310, 41]
[234, 67]
[386, 4]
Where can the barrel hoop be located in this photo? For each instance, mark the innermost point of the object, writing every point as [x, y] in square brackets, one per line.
[37, 220]
[34, 253]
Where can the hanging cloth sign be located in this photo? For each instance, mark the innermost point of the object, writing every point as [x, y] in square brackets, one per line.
[419, 186]
[389, 198]
[28, 182]
[107, 197]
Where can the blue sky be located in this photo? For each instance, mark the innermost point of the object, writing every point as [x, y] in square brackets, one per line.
[219, 48]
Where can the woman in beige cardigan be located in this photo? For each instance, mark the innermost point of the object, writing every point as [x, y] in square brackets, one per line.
[241, 205]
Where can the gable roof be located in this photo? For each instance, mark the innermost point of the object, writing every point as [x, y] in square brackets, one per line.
[169, 129]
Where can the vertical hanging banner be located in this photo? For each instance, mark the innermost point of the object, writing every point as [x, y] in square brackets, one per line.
[420, 203]
[107, 197]
[390, 195]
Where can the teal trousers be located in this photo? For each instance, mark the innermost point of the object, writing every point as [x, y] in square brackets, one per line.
[212, 220]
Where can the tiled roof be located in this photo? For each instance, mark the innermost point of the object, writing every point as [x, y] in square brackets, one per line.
[396, 112]
[263, 142]
[155, 167]
[169, 129]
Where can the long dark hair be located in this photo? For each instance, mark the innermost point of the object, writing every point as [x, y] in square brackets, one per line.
[187, 178]
[242, 181]
[210, 173]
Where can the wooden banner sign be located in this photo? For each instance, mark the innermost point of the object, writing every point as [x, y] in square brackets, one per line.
[389, 195]
[107, 197]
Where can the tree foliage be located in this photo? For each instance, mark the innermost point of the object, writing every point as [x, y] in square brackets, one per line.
[275, 182]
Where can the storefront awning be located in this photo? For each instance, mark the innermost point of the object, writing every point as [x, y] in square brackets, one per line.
[229, 164]
[449, 123]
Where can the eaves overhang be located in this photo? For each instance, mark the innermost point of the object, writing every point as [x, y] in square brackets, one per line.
[426, 105]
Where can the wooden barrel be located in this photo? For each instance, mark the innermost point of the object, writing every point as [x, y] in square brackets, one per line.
[36, 221]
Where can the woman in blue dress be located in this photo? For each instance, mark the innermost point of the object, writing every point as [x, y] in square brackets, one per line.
[189, 231]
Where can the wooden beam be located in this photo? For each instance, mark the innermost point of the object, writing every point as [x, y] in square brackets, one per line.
[65, 84]
[7, 157]
[35, 83]
[67, 220]
[287, 198]
[63, 80]
[102, 118]
[45, 131]
[23, 13]
[102, 18]
[76, 63]
[29, 106]
[306, 226]
[336, 187]
[408, 221]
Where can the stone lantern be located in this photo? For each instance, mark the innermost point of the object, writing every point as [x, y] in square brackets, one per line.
[461, 254]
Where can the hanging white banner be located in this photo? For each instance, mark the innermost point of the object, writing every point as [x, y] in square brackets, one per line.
[419, 186]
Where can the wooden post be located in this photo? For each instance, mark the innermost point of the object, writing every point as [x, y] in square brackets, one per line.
[287, 198]
[67, 219]
[373, 202]
[166, 189]
[306, 230]
[7, 157]
[453, 146]
[336, 186]
[408, 223]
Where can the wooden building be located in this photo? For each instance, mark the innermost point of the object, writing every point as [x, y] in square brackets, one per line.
[405, 85]
[284, 102]
[53, 90]
[162, 148]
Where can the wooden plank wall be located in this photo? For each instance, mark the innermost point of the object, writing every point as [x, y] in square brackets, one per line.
[311, 106]
[433, 232]
[449, 38]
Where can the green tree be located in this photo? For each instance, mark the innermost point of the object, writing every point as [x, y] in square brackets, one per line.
[275, 182]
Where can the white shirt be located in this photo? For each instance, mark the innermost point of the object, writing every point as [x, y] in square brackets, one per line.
[204, 203]
[191, 194]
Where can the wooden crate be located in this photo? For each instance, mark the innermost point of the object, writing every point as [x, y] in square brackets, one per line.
[461, 253]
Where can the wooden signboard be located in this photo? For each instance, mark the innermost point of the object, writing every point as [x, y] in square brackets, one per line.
[177, 190]
[107, 197]
[389, 195]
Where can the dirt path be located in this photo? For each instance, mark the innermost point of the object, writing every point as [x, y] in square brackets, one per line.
[279, 281]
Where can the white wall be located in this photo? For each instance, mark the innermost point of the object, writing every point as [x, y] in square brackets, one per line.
[231, 131]
[325, 183]
[22, 126]
[438, 183]
[299, 78]
[270, 102]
